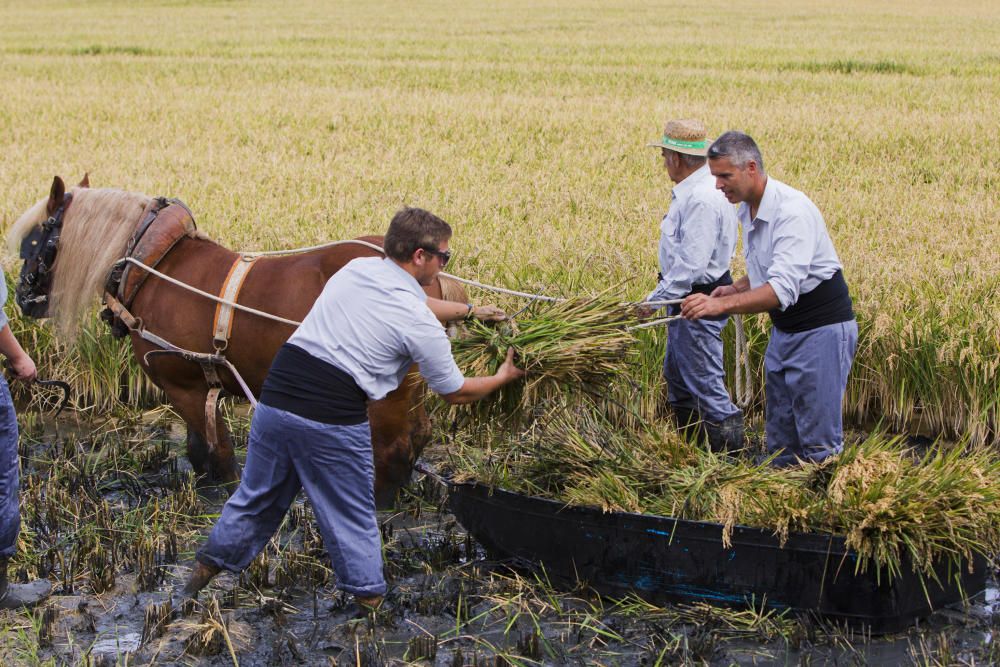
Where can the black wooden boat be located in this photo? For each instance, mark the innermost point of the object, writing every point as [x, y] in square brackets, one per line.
[664, 559]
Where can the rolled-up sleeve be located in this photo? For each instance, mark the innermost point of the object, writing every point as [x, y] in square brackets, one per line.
[793, 244]
[430, 349]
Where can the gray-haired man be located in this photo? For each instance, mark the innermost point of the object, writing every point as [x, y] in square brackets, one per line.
[794, 274]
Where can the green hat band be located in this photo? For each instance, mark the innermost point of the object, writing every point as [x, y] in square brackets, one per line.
[679, 143]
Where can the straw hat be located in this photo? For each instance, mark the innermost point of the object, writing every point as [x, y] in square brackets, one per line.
[685, 136]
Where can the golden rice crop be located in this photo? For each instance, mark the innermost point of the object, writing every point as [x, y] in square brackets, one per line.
[524, 125]
[572, 346]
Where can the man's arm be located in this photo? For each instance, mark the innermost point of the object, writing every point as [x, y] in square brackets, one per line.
[449, 311]
[731, 299]
[21, 364]
[477, 388]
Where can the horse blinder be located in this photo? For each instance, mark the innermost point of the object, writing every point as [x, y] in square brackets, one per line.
[38, 250]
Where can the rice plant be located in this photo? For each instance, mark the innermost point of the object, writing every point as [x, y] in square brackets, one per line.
[526, 130]
[569, 347]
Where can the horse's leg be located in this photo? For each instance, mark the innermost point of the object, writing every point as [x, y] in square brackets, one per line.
[218, 462]
[197, 450]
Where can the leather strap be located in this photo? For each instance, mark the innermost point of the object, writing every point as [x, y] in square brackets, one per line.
[223, 325]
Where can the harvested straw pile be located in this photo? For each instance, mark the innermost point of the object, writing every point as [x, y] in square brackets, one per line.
[890, 504]
[573, 346]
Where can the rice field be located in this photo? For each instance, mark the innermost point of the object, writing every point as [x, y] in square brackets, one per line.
[524, 123]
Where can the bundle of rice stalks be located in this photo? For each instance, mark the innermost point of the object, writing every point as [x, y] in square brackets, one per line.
[577, 345]
[891, 506]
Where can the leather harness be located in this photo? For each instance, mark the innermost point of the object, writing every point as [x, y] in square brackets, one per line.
[149, 244]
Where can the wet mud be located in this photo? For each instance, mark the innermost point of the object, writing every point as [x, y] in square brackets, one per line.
[113, 515]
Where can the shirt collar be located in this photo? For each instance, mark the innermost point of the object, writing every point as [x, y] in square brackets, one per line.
[768, 205]
[687, 186]
[406, 280]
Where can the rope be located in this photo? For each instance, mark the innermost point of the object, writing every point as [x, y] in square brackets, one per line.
[299, 251]
[212, 297]
[741, 372]
[503, 290]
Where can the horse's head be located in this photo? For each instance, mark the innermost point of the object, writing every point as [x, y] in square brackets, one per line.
[69, 242]
[37, 232]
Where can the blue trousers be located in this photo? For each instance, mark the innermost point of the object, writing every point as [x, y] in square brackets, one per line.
[806, 375]
[692, 367]
[334, 465]
[10, 510]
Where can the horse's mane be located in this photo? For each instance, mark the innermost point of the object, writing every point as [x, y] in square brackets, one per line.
[96, 229]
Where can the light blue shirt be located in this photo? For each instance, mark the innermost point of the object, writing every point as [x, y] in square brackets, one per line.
[4, 320]
[787, 244]
[372, 321]
[697, 237]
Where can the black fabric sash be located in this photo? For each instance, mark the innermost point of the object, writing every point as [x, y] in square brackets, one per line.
[707, 288]
[827, 303]
[312, 388]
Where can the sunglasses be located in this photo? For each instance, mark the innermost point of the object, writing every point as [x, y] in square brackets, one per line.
[445, 256]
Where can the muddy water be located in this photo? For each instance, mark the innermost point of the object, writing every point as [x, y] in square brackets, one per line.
[449, 604]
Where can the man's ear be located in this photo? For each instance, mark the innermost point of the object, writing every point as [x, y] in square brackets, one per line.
[85, 181]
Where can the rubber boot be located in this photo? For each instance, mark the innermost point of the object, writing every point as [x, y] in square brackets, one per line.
[688, 423]
[21, 596]
[183, 596]
[727, 436]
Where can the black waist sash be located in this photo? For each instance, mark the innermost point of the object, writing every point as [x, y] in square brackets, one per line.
[827, 303]
[706, 288]
[309, 387]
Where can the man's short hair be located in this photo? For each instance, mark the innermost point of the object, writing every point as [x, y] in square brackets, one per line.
[692, 161]
[739, 147]
[413, 228]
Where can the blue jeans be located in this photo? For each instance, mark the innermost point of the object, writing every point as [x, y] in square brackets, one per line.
[692, 367]
[334, 465]
[10, 511]
[806, 375]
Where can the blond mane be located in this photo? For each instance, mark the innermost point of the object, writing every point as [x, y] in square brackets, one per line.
[96, 229]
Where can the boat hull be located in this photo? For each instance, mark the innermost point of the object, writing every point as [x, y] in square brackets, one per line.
[663, 559]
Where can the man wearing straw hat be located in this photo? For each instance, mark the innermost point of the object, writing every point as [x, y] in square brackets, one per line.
[794, 274]
[697, 240]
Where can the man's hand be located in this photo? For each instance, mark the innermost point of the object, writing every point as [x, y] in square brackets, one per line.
[698, 306]
[489, 314]
[724, 290]
[508, 371]
[23, 368]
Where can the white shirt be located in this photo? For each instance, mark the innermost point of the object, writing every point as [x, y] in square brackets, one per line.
[787, 244]
[372, 321]
[697, 237]
[4, 320]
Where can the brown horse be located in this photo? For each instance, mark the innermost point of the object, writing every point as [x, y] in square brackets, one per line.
[96, 228]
